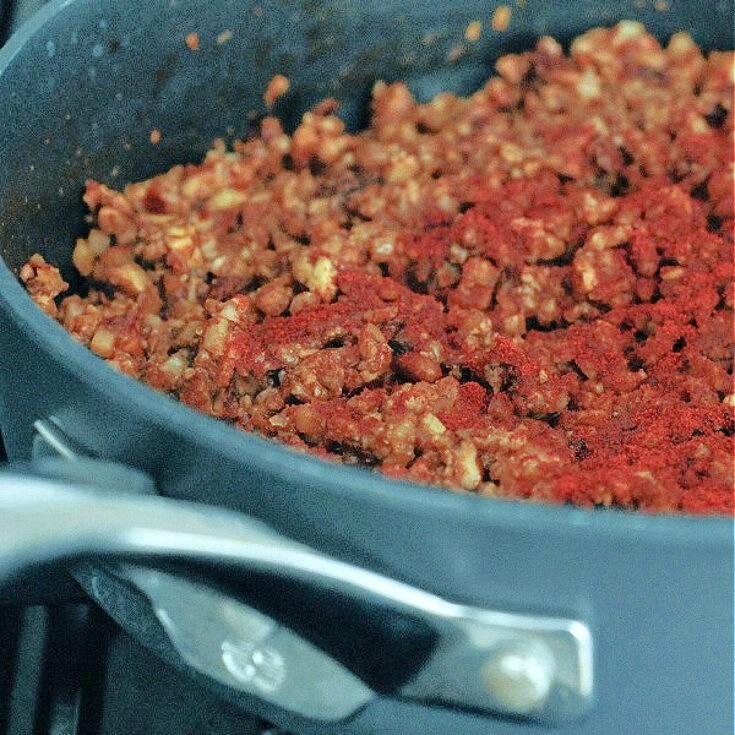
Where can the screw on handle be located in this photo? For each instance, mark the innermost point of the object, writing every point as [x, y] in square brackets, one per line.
[520, 675]
[41, 521]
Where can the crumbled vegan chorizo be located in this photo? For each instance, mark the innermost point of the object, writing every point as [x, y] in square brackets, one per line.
[473, 31]
[277, 87]
[44, 283]
[526, 293]
[501, 18]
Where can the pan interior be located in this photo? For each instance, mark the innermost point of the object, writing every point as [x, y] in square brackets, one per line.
[82, 91]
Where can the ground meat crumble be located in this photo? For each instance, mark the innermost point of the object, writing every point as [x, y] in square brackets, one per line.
[526, 293]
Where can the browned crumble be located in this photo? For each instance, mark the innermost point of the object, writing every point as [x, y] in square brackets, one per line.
[523, 293]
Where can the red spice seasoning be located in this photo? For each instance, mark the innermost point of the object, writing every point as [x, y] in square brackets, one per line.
[524, 294]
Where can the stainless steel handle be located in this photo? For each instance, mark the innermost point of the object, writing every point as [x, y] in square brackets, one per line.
[533, 666]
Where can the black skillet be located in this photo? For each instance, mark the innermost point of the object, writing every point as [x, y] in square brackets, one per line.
[529, 619]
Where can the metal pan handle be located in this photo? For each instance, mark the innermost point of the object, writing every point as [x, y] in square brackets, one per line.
[496, 662]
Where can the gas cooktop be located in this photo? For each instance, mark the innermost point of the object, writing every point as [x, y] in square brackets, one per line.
[66, 669]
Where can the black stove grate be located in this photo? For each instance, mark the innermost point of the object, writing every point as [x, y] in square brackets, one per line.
[66, 669]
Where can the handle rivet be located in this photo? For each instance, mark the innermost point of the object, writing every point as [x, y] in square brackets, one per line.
[519, 676]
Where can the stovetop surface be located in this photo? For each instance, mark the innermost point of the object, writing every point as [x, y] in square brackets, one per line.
[66, 669]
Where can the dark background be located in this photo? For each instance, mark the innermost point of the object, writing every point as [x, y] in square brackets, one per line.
[13, 13]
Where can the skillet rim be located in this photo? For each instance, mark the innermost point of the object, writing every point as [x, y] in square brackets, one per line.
[285, 463]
